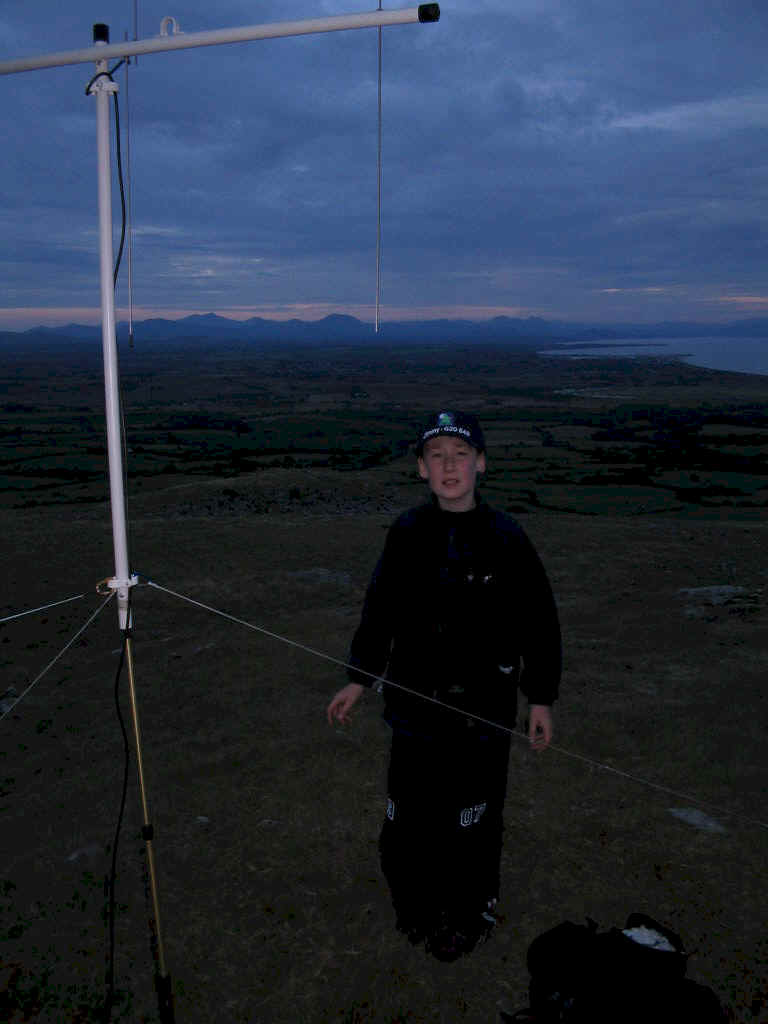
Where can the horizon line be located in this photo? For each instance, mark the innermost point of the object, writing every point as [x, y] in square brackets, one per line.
[21, 319]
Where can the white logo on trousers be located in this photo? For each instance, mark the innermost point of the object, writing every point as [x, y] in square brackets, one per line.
[471, 815]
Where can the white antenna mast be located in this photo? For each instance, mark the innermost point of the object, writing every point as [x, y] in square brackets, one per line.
[102, 87]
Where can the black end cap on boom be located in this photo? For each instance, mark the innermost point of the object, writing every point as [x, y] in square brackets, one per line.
[429, 12]
[101, 33]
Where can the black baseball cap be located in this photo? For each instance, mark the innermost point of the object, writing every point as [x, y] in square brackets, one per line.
[453, 424]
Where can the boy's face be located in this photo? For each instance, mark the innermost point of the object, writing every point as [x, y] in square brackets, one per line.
[451, 467]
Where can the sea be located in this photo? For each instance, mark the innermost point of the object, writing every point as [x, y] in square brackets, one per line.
[742, 355]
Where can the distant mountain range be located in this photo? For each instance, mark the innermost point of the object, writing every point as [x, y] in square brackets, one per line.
[522, 332]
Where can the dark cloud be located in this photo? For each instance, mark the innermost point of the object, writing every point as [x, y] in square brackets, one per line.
[570, 159]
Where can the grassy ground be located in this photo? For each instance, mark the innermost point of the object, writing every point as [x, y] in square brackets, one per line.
[266, 818]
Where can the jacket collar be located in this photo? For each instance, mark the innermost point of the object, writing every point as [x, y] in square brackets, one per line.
[480, 503]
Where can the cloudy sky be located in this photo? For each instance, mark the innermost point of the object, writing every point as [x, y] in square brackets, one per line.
[601, 160]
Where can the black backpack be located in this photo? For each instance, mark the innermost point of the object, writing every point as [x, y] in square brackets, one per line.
[579, 975]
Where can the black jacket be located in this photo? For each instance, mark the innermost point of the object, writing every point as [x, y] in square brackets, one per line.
[459, 608]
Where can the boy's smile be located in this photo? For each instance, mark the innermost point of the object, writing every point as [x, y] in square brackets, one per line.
[451, 465]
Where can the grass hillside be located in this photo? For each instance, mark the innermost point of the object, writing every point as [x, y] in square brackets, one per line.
[261, 483]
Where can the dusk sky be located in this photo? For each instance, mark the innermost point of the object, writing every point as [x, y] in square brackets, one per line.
[590, 160]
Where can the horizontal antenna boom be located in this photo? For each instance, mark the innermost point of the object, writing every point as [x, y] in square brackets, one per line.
[183, 41]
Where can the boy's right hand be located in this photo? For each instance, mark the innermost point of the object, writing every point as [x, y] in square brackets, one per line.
[343, 703]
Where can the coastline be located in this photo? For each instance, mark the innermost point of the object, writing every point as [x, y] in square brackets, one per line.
[727, 354]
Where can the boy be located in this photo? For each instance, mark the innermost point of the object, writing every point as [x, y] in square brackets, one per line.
[458, 613]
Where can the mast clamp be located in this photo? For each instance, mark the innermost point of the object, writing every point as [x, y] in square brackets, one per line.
[112, 583]
[101, 83]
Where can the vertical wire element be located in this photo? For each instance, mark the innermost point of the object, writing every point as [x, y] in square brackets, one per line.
[129, 202]
[378, 192]
[128, 159]
[127, 192]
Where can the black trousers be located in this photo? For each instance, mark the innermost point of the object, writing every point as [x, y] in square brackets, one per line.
[441, 839]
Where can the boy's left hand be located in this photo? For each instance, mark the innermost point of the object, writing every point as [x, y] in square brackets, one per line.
[540, 726]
